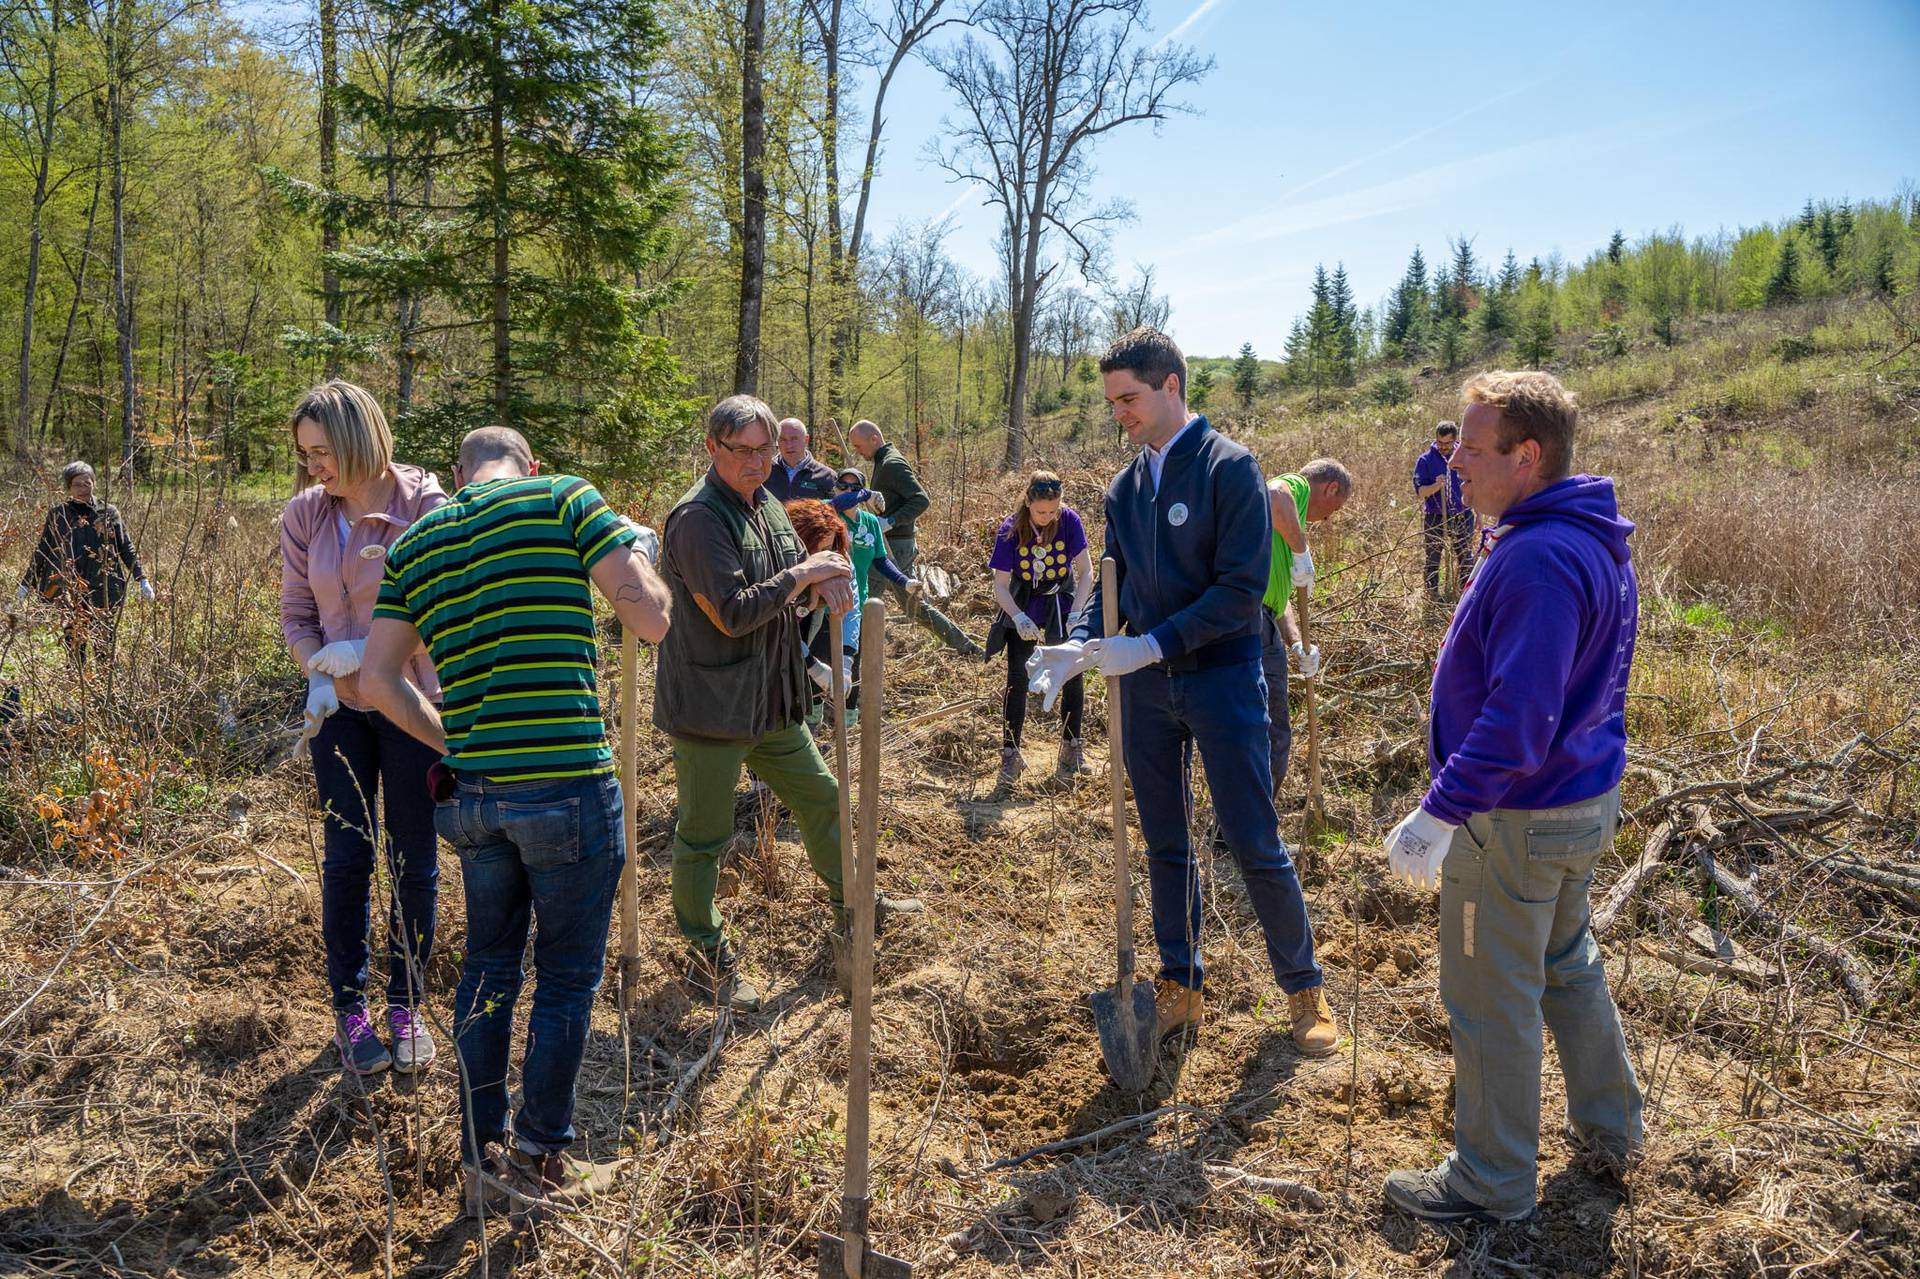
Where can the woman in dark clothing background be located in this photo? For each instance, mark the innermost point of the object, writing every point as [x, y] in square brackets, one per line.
[82, 564]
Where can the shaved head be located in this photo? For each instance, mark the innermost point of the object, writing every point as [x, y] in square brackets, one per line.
[495, 444]
[865, 438]
[791, 437]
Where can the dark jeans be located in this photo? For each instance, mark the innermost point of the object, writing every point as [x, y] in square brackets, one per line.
[1442, 532]
[352, 752]
[1273, 665]
[1223, 710]
[1073, 698]
[545, 856]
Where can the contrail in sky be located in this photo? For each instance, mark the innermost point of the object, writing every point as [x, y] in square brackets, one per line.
[1200, 11]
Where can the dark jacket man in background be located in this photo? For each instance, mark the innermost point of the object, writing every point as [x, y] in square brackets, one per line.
[902, 501]
[797, 473]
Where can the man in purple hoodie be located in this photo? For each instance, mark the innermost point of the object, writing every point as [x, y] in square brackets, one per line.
[1527, 746]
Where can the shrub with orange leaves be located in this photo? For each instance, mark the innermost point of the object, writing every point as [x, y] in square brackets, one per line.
[95, 825]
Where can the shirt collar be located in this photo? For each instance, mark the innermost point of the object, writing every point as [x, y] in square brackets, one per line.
[760, 495]
[1160, 453]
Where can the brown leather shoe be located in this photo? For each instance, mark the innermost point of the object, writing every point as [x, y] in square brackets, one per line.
[1175, 1006]
[553, 1181]
[1314, 1033]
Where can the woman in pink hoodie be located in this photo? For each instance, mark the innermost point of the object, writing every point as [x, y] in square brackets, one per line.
[334, 538]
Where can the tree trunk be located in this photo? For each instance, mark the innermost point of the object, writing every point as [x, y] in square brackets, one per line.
[23, 417]
[502, 314]
[329, 219]
[1023, 307]
[839, 303]
[73, 311]
[753, 210]
[122, 303]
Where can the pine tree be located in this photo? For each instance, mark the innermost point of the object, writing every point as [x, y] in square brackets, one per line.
[1246, 374]
[1344, 339]
[1465, 271]
[1784, 285]
[1404, 332]
[1826, 239]
[1535, 345]
[1617, 247]
[1509, 274]
[534, 233]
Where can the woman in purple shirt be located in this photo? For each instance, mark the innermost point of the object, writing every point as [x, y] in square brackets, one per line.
[1040, 549]
[334, 538]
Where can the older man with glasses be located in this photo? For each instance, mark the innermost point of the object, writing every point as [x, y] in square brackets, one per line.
[731, 687]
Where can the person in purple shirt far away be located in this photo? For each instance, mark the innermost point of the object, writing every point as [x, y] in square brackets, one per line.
[1526, 749]
[1446, 521]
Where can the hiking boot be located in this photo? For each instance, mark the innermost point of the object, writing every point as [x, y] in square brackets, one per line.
[885, 906]
[1011, 766]
[530, 1184]
[361, 1052]
[1314, 1033]
[1175, 1006]
[412, 1045]
[1605, 1155]
[1073, 756]
[1427, 1194]
[486, 1183]
[715, 976]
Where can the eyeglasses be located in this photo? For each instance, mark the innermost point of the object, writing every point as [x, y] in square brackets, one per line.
[850, 484]
[311, 457]
[746, 454]
[1044, 488]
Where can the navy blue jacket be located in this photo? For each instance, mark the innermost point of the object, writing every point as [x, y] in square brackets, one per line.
[815, 479]
[1193, 556]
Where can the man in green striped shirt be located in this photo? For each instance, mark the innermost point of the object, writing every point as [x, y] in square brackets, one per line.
[495, 584]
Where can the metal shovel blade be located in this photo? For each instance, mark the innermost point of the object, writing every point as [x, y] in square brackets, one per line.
[1127, 1041]
[873, 1265]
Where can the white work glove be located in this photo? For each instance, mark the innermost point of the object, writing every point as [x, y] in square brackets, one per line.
[146, 590]
[822, 675]
[322, 701]
[886, 521]
[1124, 654]
[878, 505]
[1307, 658]
[1028, 629]
[1417, 847]
[1303, 569]
[645, 541]
[1049, 669]
[342, 657]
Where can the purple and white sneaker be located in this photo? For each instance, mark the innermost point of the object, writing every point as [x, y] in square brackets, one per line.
[412, 1045]
[361, 1051]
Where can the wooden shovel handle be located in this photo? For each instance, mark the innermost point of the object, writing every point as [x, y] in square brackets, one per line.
[1116, 771]
[629, 762]
[860, 892]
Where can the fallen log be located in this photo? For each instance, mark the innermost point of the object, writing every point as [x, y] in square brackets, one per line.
[1832, 955]
[1627, 885]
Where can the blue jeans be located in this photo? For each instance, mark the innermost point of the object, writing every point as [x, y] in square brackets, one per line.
[1223, 710]
[546, 855]
[352, 752]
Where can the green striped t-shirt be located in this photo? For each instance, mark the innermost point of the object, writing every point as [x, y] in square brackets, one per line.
[496, 583]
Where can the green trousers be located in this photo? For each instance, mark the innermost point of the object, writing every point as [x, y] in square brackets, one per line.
[707, 772]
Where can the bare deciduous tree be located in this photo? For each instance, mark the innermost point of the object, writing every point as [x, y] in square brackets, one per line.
[1044, 80]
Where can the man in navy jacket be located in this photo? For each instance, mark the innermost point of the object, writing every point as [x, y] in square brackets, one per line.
[1188, 528]
[1526, 749]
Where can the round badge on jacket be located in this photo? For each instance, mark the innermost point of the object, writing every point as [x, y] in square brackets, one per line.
[373, 552]
[1177, 514]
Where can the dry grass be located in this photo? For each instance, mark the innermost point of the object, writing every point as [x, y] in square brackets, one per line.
[169, 1106]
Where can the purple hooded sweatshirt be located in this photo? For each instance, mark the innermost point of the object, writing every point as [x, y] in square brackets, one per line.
[1530, 692]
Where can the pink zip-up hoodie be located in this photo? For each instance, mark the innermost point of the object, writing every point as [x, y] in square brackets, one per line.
[327, 590]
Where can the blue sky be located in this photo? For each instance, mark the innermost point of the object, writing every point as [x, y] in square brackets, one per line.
[1353, 132]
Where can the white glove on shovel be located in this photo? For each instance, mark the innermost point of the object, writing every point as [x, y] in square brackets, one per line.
[1308, 659]
[322, 701]
[342, 657]
[1303, 569]
[1050, 667]
[1417, 847]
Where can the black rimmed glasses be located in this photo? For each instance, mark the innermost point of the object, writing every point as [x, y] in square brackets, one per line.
[747, 453]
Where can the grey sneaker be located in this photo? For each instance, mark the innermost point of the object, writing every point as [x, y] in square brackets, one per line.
[361, 1052]
[1011, 766]
[715, 976]
[412, 1045]
[1073, 756]
[1427, 1194]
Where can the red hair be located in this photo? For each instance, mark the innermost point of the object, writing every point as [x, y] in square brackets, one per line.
[820, 529]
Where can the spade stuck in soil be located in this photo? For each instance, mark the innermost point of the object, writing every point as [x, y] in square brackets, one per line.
[1124, 1015]
[848, 1254]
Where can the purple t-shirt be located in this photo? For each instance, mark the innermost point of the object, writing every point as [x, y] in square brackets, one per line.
[1046, 566]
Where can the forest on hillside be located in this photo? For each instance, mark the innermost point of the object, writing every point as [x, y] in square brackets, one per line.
[587, 217]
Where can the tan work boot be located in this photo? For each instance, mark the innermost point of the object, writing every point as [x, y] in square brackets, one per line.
[1175, 1006]
[1011, 766]
[1073, 756]
[552, 1182]
[1313, 1029]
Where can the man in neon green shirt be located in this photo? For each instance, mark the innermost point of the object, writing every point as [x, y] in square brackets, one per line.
[1294, 500]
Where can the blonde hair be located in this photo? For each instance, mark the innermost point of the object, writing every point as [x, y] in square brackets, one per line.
[1025, 531]
[354, 425]
[1532, 406]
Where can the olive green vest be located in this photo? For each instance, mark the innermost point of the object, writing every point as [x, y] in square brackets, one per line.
[720, 687]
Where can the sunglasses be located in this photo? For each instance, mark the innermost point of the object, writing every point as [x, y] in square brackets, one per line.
[1044, 488]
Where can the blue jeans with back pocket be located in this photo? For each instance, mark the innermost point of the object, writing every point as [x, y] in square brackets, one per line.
[543, 857]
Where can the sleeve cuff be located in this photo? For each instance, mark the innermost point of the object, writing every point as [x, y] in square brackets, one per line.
[1437, 806]
[1166, 640]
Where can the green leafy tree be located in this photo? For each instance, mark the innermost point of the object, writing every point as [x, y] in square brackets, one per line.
[533, 233]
